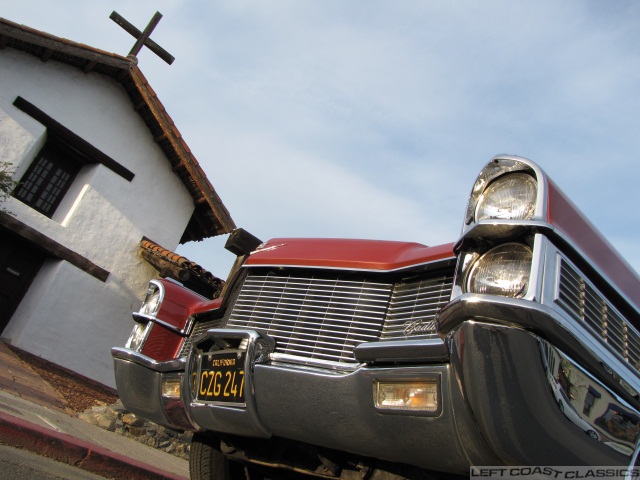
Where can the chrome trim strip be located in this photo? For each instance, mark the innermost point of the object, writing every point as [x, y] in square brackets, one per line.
[143, 317]
[342, 268]
[127, 354]
[634, 460]
[484, 228]
[183, 332]
[427, 350]
[283, 358]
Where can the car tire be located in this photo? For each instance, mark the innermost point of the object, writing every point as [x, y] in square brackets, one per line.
[206, 461]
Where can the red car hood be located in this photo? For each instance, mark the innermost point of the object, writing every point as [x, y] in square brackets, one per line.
[350, 254]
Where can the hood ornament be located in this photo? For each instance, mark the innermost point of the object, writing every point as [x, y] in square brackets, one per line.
[263, 248]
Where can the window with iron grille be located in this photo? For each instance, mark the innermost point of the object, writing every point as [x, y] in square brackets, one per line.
[49, 177]
[55, 167]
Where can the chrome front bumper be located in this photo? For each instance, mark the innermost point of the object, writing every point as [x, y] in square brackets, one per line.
[139, 384]
[329, 408]
[540, 390]
[502, 401]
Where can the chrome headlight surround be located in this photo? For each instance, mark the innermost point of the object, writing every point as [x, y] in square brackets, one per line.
[504, 270]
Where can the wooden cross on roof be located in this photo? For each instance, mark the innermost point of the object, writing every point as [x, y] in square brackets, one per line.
[142, 38]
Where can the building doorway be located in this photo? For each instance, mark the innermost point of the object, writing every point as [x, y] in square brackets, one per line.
[20, 262]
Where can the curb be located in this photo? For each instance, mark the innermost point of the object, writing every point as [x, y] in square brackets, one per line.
[67, 449]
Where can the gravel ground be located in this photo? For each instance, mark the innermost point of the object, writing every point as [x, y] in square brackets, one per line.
[80, 393]
[100, 406]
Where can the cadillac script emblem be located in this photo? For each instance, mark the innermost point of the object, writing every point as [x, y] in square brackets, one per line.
[419, 327]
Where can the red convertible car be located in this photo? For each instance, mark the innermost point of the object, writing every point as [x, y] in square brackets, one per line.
[519, 344]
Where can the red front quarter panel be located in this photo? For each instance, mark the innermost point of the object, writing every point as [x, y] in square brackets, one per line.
[162, 344]
[566, 217]
[178, 305]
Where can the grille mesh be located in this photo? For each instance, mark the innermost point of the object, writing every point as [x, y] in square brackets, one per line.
[582, 300]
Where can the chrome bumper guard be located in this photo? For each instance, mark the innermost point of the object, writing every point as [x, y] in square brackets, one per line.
[238, 418]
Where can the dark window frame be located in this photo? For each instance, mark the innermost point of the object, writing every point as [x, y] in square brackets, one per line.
[65, 153]
[51, 247]
[73, 141]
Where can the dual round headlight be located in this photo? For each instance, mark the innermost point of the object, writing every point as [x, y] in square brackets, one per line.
[504, 270]
[152, 300]
[510, 197]
[149, 308]
[138, 336]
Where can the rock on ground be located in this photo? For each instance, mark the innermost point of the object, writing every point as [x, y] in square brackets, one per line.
[116, 418]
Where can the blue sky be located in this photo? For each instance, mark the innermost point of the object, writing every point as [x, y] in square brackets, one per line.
[371, 119]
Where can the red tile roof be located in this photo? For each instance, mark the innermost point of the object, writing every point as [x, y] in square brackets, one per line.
[180, 268]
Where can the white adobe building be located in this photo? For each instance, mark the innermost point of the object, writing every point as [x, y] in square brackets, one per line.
[102, 168]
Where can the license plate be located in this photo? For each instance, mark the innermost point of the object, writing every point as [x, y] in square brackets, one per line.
[222, 377]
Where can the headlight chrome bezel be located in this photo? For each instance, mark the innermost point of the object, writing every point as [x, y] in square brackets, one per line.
[515, 281]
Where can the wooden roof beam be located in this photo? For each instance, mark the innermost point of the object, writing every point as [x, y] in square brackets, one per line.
[46, 55]
[90, 65]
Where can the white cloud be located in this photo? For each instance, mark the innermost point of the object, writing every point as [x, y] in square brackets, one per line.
[371, 118]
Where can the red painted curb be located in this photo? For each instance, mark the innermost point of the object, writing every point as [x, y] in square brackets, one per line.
[65, 448]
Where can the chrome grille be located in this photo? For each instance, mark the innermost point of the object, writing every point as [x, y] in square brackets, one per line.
[579, 298]
[314, 317]
[633, 348]
[414, 305]
[324, 318]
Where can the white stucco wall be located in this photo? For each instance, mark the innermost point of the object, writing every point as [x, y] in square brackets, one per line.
[68, 316]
